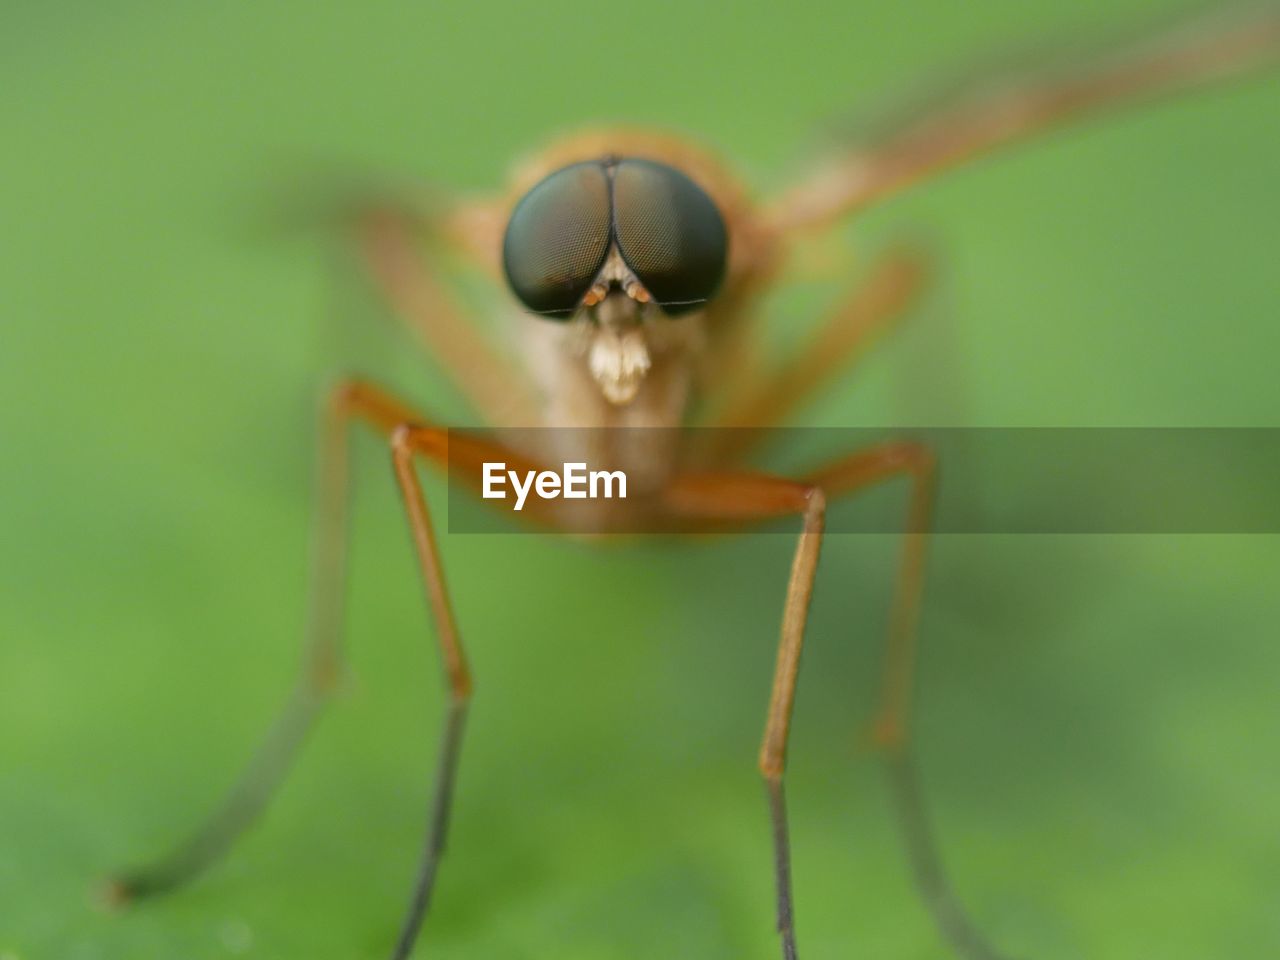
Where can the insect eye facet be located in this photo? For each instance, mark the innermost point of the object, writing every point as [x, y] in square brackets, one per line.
[670, 233]
[557, 239]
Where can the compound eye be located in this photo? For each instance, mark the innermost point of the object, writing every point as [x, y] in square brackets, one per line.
[557, 239]
[670, 234]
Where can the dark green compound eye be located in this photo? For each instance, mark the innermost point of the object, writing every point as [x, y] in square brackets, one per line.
[667, 229]
[557, 239]
[670, 234]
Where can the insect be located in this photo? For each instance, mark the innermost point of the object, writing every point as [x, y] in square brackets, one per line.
[634, 263]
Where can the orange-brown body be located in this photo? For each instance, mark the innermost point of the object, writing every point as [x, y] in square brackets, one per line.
[626, 364]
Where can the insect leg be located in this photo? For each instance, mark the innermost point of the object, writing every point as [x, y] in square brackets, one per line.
[998, 110]
[321, 666]
[891, 728]
[858, 321]
[409, 440]
[405, 442]
[496, 388]
[748, 497]
[351, 401]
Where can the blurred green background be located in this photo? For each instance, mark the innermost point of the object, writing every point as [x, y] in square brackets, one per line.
[1097, 720]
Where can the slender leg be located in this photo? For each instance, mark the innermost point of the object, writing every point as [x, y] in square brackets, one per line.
[321, 668]
[747, 497]
[773, 749]
[868, 312]
[350, 401]
[437, 829]
[996, 111]
[405, 442]
[891, 729]
[491, 383]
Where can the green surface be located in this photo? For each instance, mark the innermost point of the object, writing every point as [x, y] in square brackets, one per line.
[1098, 718]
